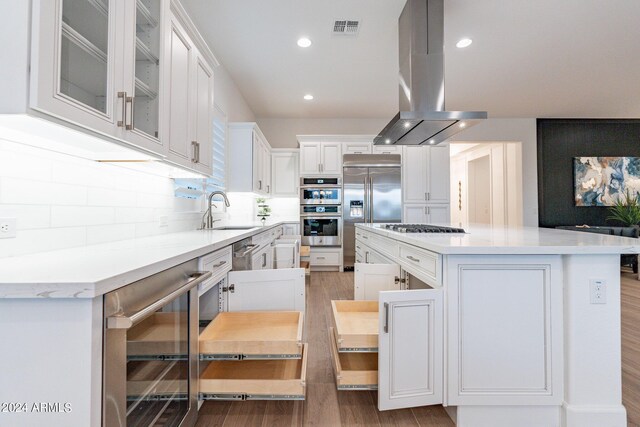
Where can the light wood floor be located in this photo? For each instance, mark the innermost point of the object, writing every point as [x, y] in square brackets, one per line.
[325, 406]
[630, 289]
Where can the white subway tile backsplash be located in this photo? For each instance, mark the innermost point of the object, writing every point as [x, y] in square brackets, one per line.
[49, 239]
[25, 191]
[21, 165]
[110, 233]
[65, 194]
[133, 215]
[29, 217]
[73, 216]
[108, 197]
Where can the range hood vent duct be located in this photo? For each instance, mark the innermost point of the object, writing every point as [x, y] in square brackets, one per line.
[422, 118]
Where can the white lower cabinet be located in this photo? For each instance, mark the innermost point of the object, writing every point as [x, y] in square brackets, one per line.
[391, 336]
[252, 347]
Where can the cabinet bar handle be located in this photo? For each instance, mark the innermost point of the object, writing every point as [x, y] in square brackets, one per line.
[428, 196]
[198, 152]
[129, 100]
[123, 96]
[194, 159]
[409, 257]
[268, 186]
[220, 264]
[386, 318]
[259, 184]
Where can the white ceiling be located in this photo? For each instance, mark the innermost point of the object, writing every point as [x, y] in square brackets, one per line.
[542, 58]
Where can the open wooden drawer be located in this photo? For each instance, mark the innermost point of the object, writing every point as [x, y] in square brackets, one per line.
[253, 335]
[156, 336]
[354, 371]
[283, 379]
[156, 379]
[355, 325]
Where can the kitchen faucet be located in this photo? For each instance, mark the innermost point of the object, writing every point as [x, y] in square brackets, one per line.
[207, 218]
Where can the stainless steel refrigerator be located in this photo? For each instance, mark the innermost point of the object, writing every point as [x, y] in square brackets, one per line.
[372, 193]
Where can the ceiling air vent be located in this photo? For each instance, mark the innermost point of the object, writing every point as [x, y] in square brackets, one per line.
[345, 27]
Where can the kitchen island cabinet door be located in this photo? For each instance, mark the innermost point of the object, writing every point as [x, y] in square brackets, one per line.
[410, 349]
[370, 279]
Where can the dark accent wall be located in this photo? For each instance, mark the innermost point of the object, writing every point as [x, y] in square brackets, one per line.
[559, 141]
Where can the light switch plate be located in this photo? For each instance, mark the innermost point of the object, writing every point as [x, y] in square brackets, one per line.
[8, 228]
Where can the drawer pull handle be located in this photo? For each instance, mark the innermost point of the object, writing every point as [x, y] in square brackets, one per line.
[409, 257]
[320, 257]
[365, 237]
[357, 247]
[386, 317]
[220, 264]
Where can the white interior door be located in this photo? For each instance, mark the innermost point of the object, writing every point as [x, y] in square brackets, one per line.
[370, 279]
[256, 290]
[410, 347]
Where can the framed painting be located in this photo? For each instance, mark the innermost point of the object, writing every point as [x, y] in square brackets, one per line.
[602, 181]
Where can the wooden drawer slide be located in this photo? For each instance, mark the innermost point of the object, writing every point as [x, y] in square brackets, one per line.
[356, 325]
[354, 371]
[255, 379]
[155, 337]
[253, 335]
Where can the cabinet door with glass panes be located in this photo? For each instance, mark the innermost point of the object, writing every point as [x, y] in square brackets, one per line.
[97, 64]
[143, 72]
[75, 58]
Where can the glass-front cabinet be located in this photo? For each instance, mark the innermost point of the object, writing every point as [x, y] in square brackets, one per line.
[98, 65]
[142, 69]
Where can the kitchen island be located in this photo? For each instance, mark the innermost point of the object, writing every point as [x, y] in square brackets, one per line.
[520, 326]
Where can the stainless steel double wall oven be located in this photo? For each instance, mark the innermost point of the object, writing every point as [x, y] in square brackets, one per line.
[321, 211]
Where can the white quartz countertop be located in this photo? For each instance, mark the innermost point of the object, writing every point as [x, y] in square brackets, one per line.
[90, 271]
[481, 239]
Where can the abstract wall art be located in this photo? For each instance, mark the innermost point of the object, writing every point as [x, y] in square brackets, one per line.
[601, 181]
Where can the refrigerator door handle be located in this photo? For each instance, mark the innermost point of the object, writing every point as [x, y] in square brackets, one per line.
[371, 199]
[365, 208]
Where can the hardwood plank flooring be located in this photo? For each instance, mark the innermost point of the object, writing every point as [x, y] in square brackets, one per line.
[630, 306]
[324, 405]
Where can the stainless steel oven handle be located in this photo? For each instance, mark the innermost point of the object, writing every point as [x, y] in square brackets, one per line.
[125, 322]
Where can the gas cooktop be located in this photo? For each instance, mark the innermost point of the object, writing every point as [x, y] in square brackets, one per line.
[421, 228]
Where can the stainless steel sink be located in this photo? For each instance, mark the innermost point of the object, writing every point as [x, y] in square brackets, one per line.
[235, 227]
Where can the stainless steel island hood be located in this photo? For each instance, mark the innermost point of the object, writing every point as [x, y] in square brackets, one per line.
[422, 118]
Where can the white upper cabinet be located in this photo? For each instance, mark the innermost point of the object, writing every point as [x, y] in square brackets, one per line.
[178, 89]
[99, 64]
[387, 149]
[331, 158]
[284, 173]
[188, 92]
[77, 68]
[357, 148]
[249, 159]
[426, 213]
[309, 158]
[425, 174]
[133, 71]
[143, 71]
[203, 114]
[320, 158]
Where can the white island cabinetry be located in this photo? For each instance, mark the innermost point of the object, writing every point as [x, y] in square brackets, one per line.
[518, 345]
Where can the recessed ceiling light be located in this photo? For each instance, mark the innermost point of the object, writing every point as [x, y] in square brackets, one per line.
[407, 124]
[462, 43]
[432, 141]
[308, 97]
[304, 42]
[387, 141]
[462, 124]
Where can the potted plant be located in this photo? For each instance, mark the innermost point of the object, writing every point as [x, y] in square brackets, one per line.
[263, 209]
[626, 210]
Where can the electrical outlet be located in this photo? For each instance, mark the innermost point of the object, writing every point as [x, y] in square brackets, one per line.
[598, 290]
[164, 221]
[7, 228]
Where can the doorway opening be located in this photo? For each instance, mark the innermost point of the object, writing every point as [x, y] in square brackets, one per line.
[486, 183]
